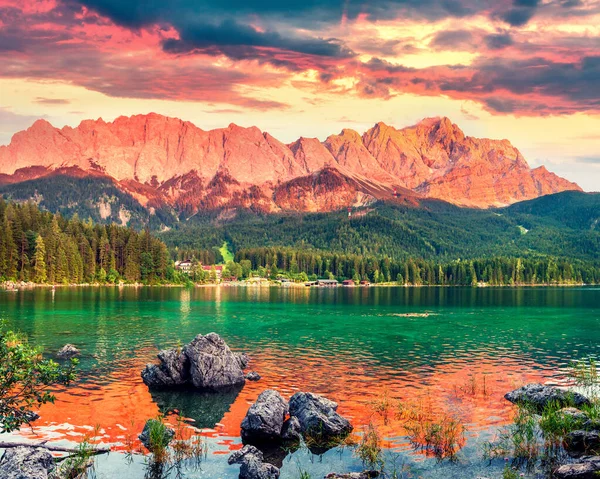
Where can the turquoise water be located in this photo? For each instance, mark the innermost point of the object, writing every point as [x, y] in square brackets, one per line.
[351, 344]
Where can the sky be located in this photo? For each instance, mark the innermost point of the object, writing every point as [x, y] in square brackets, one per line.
[524, 70]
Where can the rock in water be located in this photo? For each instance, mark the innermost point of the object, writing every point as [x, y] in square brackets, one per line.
[252, 376]
[26, 463]
[539, 396]
[317, 416]
[264, 420]
[173, 370]
[206, 363]
[291, 430]
[67, 351]
[252, 464]
[587, 468]
[212, 364]
[164, 437]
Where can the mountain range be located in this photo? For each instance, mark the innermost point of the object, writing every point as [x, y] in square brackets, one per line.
[171, 167]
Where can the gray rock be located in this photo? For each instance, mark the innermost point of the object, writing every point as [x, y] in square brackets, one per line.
[164, 440]
[68, 351]
[206, 363]
[212, 364]
[291, 430]
[26, 463]
[252, 376]
[581, 442]
[252, 464]
[353, 475]
[586, 468]
[539, 396]
[317, 416]
[242, 359]
[172, 370]
[264, 420]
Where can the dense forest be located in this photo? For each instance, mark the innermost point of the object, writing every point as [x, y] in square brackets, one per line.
[307, 264]
[41, 247]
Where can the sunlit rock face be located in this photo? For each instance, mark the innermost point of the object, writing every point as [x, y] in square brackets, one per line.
[162, 160]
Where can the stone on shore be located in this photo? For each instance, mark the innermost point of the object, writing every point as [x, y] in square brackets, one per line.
[166, 434]
[539, 397]
[68, 351]
[264, 420]
[206, 363]
[26, 463]
[583, 442]
[317, 416]
[252, 464]
[353, 475]
[586, 468]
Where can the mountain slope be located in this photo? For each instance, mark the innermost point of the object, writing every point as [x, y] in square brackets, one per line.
[166, 162]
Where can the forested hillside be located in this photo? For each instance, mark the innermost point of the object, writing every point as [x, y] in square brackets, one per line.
[44, 248]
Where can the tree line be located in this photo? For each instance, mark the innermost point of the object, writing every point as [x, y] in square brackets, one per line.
[41, 247]
[415, 271]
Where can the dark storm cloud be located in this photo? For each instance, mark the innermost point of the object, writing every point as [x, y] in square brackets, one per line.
[498, 41]
[452, 39]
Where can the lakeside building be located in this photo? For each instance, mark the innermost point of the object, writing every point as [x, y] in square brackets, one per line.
[185, 265]
[218, 270]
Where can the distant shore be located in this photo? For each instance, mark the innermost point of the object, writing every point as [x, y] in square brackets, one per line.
[18, 285]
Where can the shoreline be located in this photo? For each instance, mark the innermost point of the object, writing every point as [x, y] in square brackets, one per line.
[18, 285]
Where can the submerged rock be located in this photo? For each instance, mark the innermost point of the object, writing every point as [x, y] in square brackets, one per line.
[206, 363]
[68, 351]
[26, 463]
[264, 420]
[212, 364]
[539, 397]
[586, 468]
[166, 434]
[252, 376]
[252, 464]
[582, 442]
[317, 416]
[353, 475]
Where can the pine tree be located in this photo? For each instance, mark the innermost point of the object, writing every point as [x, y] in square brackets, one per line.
[39, 266]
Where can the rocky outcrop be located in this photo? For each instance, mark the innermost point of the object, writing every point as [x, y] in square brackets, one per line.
[164, 436]
[206, 363]
[585, 468]
[539, 397]
[161, 159]
[317, 416]
[68, 351]
[26, 463]
[252, 465]
[264, 420]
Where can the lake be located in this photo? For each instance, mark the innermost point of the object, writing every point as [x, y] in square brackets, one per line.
[453, 351]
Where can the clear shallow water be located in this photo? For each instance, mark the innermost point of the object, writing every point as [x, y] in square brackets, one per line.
[350, 344]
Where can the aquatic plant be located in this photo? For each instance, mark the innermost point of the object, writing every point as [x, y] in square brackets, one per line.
[382, 405]
[80, 464]
[473, 386]
[441, 434]
[369, 448]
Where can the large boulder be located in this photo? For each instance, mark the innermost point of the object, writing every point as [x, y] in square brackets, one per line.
[68, 351]
[539, 397]
[291, 431]
[583, 442]
[264, 420]
[585, 468]
[160, 439]
[212, 364]
[317, 416]
[206, 363]
[252, 465]
[26, 463]
[172, 370]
